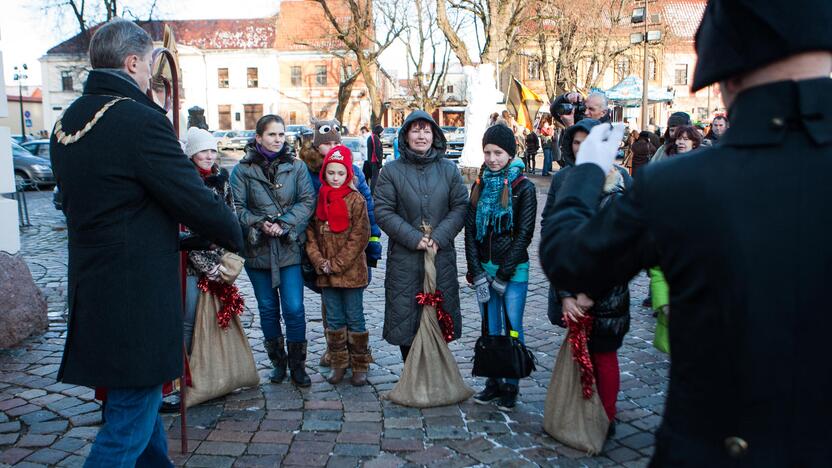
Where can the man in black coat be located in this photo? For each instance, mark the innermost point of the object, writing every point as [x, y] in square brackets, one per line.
[126, 187]
[741, 231]
[375, 157]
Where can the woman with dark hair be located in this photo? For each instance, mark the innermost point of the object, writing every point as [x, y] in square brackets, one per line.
[685, 139]
[419, 189]
[274, 199]
[642, 149]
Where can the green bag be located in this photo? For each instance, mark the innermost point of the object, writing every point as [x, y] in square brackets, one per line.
[661, 340]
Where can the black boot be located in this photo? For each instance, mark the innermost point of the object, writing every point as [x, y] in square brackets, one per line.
[508, 397]
[297, 364]
[490, 393]
[276, 351]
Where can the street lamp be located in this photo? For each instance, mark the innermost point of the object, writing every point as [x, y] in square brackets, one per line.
[640, 16]
[19, 76]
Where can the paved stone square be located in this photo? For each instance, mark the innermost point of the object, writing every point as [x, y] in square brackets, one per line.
[45, 423]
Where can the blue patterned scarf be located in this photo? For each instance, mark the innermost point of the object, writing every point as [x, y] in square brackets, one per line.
[490, 212]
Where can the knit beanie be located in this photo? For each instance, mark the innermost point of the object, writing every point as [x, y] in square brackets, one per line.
[199, 140]
[501, 136]
[326, 131]
[338, 154]
[678, 119]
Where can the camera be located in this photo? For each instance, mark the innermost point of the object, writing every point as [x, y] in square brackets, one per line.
[563, 106]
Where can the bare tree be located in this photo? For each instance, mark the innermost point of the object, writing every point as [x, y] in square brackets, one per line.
[357, 31]
[88, 13]
[429, 53]
[576, 34]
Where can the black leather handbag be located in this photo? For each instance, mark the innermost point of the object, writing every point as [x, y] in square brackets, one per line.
[501, 356]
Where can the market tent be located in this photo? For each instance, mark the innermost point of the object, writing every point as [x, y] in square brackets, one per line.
[627, 93]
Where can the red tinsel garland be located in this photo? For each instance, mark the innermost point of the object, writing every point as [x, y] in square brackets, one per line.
[578, 338]
[229, 296]
[446, 322]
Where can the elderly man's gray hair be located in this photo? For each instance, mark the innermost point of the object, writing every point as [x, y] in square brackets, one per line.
[115, 41]
[603, 97]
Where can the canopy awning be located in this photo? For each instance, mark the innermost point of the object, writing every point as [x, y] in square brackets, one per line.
[627, 93]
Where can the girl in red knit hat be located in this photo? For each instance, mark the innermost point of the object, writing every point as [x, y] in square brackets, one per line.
[336, 239]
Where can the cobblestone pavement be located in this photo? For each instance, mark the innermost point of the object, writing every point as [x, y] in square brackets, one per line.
[43, 422]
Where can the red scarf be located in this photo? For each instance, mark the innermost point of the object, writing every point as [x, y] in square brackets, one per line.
[205, 172]
[332, 207]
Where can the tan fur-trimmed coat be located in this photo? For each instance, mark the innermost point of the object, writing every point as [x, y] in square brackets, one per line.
[344, 250]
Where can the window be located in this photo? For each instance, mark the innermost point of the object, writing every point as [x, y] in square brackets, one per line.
[296, 79]
[449, 89]
[251, 77]
[320, 75]
[66, 80]
[622, 68]
[253, 113]
[681, 75]
[651, 68]
[222, 77]
[534, 69]
[224, 115]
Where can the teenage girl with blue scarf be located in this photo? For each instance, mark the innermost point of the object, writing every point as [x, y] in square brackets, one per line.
[498, 230]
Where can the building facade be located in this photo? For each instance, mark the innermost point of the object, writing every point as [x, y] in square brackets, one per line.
[229, 68]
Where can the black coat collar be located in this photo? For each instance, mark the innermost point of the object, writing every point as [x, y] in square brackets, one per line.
[762, 115]
[101, 82]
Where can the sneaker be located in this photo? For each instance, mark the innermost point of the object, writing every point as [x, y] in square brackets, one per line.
[170, 404]
[611, 430]
[490, 393]
[647, 302]
[508, 399]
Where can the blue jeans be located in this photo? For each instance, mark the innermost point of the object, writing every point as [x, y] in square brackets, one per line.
[515, 301]
[344, 307]
[191, 299]
[288, 298]
[547, 161]
[133, 434]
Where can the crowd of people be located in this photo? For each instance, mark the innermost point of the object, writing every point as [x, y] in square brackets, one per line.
[313, 221]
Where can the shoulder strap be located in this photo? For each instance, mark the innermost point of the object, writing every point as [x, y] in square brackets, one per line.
[517, 181]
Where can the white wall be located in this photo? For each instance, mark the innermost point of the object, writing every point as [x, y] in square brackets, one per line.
[201, 86]
[9, 235]
[55, 100]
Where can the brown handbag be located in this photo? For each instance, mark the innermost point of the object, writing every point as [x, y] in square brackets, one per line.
[231, 265]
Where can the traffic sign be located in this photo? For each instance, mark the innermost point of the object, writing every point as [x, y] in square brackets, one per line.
[28, 122]
[27, 114]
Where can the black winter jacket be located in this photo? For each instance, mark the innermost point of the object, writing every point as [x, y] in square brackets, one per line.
[611, 313]
[505, 250]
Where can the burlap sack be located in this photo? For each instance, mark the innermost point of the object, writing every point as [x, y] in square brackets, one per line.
[568, 417]
[221, 359]
[430, 376]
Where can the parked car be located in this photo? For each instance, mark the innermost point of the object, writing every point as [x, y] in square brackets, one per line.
[449, 132]
[240, 140]
[30, 170]
[388, 135]
[354, 144]
[295, 131]
[224, 138]
[21, 138]
[39, 148]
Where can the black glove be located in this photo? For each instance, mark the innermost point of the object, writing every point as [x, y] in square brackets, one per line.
[193, 242]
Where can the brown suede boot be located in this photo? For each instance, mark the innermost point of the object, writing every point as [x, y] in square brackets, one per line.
[324, 357]
[336, 342]
[360, 357]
